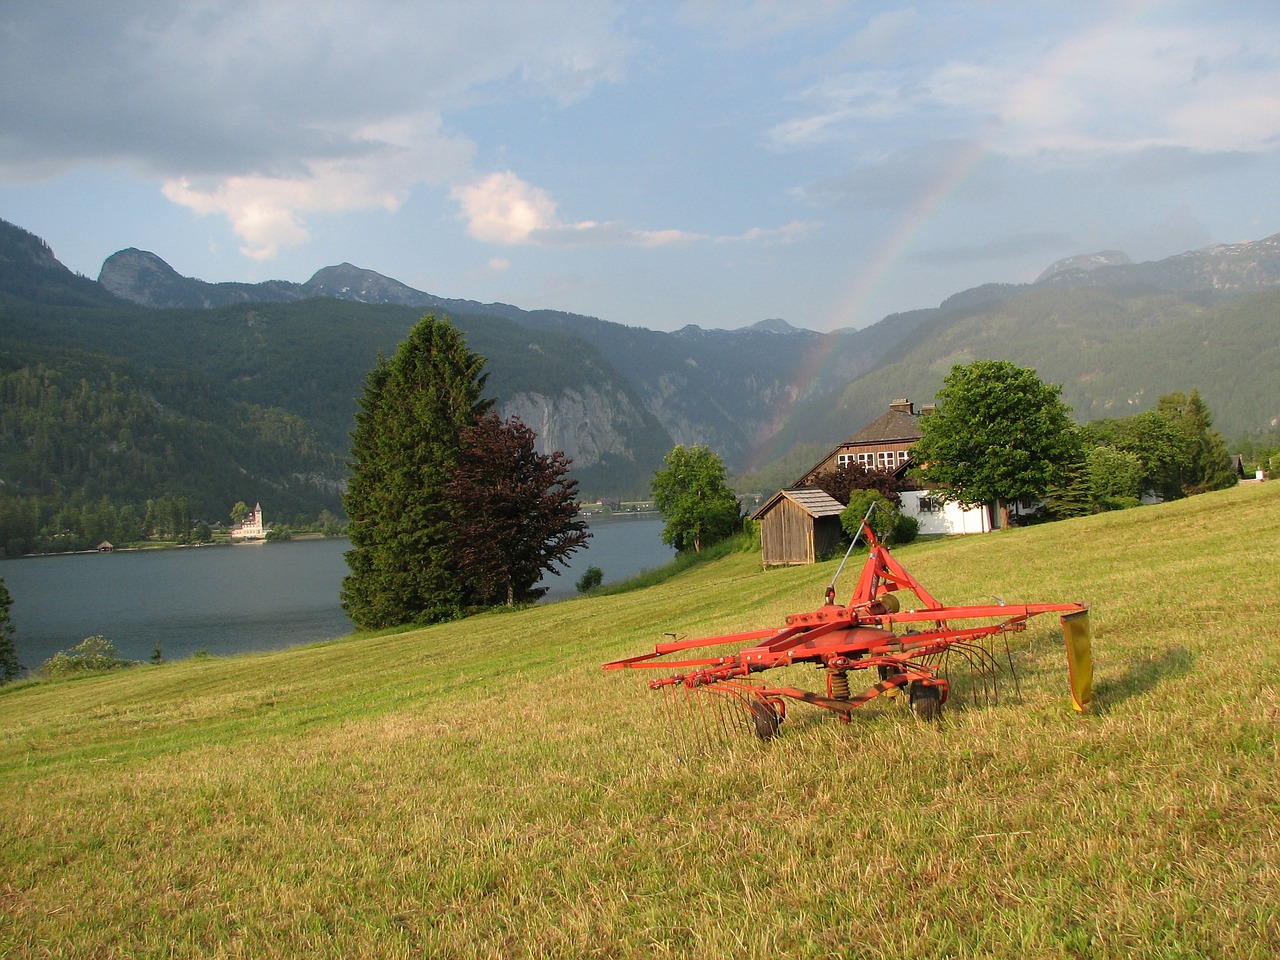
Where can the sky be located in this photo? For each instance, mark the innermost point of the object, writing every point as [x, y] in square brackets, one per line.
[717, 162]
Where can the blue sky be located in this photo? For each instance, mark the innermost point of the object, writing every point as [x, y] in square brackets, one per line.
[713, 162]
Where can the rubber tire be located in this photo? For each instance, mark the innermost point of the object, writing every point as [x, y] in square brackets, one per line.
[765, 719]
[926, 702]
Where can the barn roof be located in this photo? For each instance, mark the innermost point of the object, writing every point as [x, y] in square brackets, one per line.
[814, 502]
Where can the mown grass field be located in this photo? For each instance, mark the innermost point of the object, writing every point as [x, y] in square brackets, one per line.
[483, 789]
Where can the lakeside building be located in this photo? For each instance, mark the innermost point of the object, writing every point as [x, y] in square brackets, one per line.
[252, 528]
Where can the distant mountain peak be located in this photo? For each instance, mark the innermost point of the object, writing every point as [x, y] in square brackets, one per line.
[21, 245]
[346, 281]
[1234, 267]
[1084, 263]
[775, 325]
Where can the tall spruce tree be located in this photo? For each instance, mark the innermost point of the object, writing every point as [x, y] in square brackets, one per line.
[1206, 464]
[404, 450]
[10, 668]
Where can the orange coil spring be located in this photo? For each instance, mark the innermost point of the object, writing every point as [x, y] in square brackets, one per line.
[837, 684]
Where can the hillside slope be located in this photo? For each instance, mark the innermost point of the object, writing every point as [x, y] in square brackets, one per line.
[757, 393]
[482, 788]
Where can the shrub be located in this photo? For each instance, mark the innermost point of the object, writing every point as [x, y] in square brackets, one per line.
[591, 579]
[905, 529]
[92, 655]
[882, 519]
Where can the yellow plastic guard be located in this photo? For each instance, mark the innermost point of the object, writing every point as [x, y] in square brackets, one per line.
[1075, 630]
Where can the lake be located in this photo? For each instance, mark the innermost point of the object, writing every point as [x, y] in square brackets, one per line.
[228, 599]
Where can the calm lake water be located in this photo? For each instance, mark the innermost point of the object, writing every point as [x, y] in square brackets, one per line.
[237, 599]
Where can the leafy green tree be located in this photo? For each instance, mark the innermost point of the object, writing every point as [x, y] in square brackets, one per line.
[998, 435]
[239, 512]
[882, 519]
[1115, 478]
[330, 526]
[694, 499]
[1152, 437]
[10, 668]
[405, 447]
[515, 512]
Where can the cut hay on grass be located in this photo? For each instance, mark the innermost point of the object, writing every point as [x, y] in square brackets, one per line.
[483, 789]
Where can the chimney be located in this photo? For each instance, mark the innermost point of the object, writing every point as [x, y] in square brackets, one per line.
[902, 406]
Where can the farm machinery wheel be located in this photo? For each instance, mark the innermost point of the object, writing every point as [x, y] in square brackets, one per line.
[926, 701]
[765, 718]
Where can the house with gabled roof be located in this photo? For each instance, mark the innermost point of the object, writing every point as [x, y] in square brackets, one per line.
[795, 528]
[883, 444]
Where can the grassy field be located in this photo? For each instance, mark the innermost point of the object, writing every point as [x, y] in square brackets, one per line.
[483, 789]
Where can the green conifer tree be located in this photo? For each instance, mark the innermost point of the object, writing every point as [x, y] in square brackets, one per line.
[404, 450]
[1207, 465]
[10, 668]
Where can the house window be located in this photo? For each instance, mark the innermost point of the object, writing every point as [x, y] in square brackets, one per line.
[930, 505]
[844, 459]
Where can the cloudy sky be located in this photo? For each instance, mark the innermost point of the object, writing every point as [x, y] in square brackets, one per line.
[715, 162]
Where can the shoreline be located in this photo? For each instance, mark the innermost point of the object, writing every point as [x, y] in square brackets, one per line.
[170, 546]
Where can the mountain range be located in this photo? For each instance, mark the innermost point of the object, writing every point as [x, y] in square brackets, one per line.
[286, 362]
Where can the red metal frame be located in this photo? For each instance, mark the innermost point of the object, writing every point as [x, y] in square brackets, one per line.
[857, 636]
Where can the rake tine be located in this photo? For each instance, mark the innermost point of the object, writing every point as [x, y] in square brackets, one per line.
[727, 711]
[670, 707]
[708, 711]
[976, 658]
[991, 667]
[1008, 655]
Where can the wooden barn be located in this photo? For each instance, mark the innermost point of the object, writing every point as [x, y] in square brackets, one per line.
[798, 527]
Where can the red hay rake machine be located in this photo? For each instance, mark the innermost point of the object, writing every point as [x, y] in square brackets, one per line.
[906, 649]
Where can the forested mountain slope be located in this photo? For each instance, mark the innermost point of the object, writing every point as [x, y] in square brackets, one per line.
[247, 391]
[1114, 352]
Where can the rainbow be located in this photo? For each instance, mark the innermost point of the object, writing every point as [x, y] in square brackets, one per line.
[1024, 101]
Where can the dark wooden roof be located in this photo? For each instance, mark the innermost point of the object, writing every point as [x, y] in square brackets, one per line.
[889, 427]
[892, 426]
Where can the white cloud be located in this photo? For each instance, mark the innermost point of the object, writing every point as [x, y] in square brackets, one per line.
[263, 111]
[502, 208]
[268, 213]
[789, 233]
[1106, 89]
